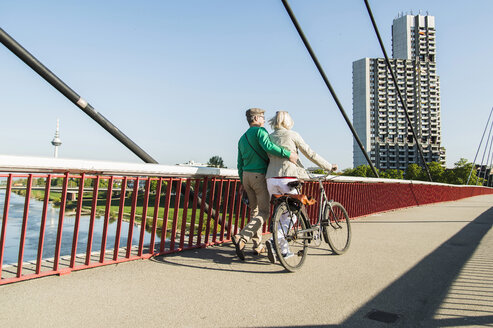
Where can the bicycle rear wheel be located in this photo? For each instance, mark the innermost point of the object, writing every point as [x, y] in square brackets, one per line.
[290, 243]
[337, 228]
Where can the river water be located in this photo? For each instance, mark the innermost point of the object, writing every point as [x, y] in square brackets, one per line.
[14, 227]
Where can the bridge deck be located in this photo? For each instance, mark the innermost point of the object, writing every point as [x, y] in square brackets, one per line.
[429, 265]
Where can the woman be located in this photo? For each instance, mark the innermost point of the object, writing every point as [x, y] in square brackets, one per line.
[281, 171]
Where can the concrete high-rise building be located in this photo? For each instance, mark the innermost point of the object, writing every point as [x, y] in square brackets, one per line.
[378, 115]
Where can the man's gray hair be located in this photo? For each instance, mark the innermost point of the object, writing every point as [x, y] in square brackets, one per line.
[252, 112]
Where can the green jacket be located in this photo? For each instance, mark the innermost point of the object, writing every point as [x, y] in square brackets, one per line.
[256, 160]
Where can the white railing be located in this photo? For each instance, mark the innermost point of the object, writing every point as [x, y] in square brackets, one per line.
[27, 164]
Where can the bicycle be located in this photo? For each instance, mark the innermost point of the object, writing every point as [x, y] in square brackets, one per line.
[292, 230]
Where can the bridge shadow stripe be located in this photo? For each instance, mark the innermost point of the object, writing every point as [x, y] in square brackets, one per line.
[418, 294]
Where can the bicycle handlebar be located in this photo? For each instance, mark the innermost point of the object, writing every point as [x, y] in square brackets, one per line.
[316, 176]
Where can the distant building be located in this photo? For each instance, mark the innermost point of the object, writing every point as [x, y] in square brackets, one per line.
[483, 171]
[56, 142]
[378, 115]
[193, 164]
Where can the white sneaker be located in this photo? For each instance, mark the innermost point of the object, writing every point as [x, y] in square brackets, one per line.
[287, 255]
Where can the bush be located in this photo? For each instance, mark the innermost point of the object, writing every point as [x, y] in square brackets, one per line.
[457, 175]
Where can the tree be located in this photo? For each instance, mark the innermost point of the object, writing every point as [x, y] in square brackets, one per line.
[88, 182]
[40, 182]
[359, 171]
[103, 183]
[216, 161]
[437, 172]
[460, 173]
[57, 182]
[392, 174]
[413, 172]
[154, 185]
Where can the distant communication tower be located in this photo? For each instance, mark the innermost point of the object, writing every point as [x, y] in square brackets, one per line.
[56, 140]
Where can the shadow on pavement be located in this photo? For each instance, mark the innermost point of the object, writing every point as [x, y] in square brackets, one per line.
[220, 258]
[418, 296]
[223, 258]
[436, 292]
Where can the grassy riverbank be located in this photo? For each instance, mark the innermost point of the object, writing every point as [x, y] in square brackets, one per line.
[71, 208]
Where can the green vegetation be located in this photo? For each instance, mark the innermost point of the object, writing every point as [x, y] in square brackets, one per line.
[55, 197]
[457, 175]
[216, 161]
[38, 192]
[115, 208]
[87, 201]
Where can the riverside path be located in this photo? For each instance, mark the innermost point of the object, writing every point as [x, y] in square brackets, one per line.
[426, 266]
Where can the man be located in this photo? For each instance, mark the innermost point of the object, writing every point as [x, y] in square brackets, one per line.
[253, 147]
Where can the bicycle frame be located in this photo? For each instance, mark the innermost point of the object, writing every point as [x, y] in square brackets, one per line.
[298, 231]
[323, 201]
[324, 204]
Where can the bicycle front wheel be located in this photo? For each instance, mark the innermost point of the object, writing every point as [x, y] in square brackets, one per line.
[290, 242]
[337, 229]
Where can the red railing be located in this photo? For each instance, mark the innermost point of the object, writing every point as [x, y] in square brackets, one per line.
[136, 217]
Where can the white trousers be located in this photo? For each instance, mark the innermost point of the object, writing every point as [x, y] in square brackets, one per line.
[280, 186]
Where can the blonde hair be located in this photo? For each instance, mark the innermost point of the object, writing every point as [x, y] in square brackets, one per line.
[282, 119]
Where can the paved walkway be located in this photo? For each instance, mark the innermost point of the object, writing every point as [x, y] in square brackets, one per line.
[424, 266]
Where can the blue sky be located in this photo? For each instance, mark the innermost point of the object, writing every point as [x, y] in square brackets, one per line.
[177, 76]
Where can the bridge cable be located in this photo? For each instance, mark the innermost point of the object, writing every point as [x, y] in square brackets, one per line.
[484, 153]
[327, 83]
[477, 152]
[58, 84]
[398, 90]
[490, 160]
[71, 95]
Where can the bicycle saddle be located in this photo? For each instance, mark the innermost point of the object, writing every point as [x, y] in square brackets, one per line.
[303, 199]
[295, 184]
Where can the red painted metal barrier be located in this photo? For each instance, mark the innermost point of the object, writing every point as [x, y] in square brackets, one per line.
[136, 217]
